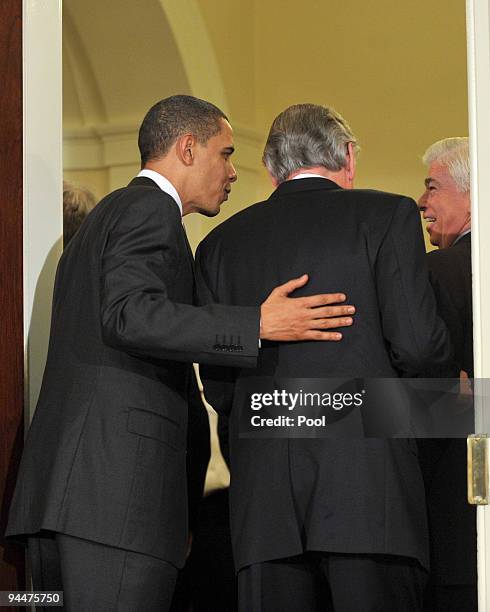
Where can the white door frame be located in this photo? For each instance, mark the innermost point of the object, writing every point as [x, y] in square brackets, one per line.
[43, 178]
[43, 175]
[478, 45]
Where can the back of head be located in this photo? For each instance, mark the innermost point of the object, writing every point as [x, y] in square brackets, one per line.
[454, 154]
[77, 203]
[305, 136]
[173, 117]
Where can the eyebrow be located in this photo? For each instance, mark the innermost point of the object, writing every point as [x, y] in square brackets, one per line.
[428, 181]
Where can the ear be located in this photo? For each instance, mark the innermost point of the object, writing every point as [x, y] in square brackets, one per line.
[351, 160]
[273, 179]
[350, 163]
[185, 149]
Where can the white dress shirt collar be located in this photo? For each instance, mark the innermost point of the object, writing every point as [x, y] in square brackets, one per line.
[302, 175]
[164, 184]
[458, 238]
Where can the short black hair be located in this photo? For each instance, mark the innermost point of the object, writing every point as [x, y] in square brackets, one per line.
[172, 117]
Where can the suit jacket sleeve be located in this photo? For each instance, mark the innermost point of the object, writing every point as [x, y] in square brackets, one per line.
[442, 276]
[141, 260]
[218, 382]
[417, 338]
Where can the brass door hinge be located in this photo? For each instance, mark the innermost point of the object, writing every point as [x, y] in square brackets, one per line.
[477, 445]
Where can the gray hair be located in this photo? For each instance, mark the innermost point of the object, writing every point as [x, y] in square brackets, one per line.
[77, 203]
[173, 117]
[454, 154]
[304, 136]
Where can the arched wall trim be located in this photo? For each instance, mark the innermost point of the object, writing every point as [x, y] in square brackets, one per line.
[90, 100]
[196, 50]
[103, 144]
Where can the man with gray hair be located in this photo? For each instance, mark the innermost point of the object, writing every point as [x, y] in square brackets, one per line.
[446, 201]
[446, 208]
[323, 523]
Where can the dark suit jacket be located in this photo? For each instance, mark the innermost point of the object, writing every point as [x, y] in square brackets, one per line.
[358, 496]
[105, 457]
[452, 519]
[450, 276]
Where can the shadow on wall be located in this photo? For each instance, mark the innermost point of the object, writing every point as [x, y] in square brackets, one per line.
[38, 335]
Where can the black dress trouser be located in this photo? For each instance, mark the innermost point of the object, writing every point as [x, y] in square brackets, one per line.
[317, 582]
[99, 578]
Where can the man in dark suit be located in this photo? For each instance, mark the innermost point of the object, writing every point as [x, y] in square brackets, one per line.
[446, 207]
[319, 522]
[101, 491]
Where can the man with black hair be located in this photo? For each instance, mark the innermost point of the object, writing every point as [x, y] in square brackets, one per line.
[101, 493]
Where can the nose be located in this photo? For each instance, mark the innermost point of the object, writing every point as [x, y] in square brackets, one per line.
[233, 175]
[422, 202]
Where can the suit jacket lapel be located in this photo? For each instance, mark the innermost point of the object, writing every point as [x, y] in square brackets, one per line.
[148, 182]
[189, 252]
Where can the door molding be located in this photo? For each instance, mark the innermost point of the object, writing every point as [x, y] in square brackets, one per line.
[12, 575]
[478, 46]
[43, 179]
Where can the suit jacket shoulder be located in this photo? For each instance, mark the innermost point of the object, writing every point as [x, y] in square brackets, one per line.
[375, 208]
[456, 259]
[365, 243]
